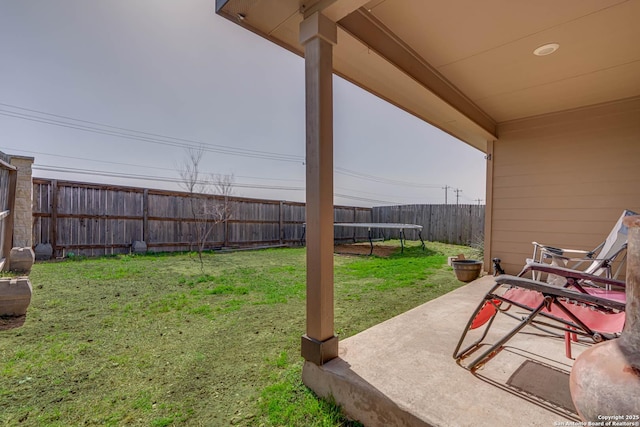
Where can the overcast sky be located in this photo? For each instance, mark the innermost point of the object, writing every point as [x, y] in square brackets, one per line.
[119, 87]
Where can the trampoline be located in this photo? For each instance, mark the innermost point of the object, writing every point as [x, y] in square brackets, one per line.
[379, 225]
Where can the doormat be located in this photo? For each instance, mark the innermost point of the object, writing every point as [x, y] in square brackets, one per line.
[544, 382]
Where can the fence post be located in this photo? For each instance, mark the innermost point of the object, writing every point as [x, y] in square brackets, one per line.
[226, 221]
[426, 217]
[355, 218]
[281, 222]
[53, 232]
[145, 216]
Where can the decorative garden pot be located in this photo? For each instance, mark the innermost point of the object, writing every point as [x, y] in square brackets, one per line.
[15, 296]
[21, 260]
[466, 270]
[605, 379]
[43, 251]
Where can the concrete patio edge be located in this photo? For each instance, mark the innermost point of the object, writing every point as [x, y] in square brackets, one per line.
[413, 380]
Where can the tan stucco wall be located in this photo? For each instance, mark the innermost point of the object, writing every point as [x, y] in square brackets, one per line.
[23, 218]
[563, 179]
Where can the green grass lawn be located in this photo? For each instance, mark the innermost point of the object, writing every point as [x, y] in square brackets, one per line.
[155, 340]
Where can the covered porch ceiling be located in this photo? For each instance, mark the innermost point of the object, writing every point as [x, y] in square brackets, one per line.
[467, 66]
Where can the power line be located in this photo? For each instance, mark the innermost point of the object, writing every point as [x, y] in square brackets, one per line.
[145, 136]
[154, 138]
[208, 147]
[150, 137]
[80, 171]
[134, 165]
[374, 178]
[178, 181]
[364, 199]
[52, 168]
[386, 196]
[37, 165]
[338, 170]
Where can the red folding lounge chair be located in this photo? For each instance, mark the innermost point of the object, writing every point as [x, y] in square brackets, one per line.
[593, 312]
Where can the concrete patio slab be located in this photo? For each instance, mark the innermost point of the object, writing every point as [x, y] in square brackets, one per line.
[401, 372]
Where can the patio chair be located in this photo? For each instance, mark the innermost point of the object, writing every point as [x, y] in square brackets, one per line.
[580, 281]
[570, 278]
[597, 261]
[593, 312]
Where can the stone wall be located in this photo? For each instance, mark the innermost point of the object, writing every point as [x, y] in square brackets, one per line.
[23, 217]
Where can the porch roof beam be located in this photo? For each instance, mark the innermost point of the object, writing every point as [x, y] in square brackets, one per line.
[335, 10]
[371, 32]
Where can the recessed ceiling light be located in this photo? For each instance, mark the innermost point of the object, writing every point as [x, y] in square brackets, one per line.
[546, 49]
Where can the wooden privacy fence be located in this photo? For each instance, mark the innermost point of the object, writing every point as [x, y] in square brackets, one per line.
[8, 181]
[97, 219]
[457, 224]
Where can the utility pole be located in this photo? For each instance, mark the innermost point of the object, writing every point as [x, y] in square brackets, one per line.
[457, 191]
[446, 190]
[479, 201]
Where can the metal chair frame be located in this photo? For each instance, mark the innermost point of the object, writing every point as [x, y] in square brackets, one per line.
[552, 295]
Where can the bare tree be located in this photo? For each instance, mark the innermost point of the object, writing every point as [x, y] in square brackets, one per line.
[205, 210]
[190, 171]
[223, 184]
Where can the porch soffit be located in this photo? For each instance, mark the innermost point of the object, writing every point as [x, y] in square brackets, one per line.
[465, 66]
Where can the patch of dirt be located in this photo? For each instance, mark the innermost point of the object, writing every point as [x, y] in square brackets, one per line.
[365, 249]
[11, 322]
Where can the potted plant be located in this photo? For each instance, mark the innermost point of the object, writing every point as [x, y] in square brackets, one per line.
[466, 270]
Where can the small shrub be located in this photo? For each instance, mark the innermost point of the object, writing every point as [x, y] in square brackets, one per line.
[477, 244]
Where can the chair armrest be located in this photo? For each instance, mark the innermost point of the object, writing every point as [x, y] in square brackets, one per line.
[555, 291]
[560, 251]
[571, 274]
